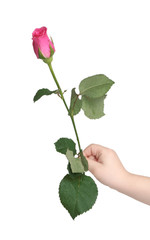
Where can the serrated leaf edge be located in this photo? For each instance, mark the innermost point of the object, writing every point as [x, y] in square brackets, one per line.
[104, 96]
[63, 147]
[93, 86]
[76, 201]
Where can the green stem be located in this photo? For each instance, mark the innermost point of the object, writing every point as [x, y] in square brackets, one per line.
[62, 97]
[74, 126]
[59, 88]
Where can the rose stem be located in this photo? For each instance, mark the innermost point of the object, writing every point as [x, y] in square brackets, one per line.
[62, 97]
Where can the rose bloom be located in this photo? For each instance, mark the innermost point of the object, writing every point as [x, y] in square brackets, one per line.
[42, 42]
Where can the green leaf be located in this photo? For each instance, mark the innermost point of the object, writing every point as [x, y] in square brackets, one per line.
[77, 195]
[84, 162]
[42, 92]
[65, 143]
[93, 107]
[76, 164]
[73, 175]
[75, 104]
[95, 86]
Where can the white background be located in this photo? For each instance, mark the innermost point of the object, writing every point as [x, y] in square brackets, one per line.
[110, 37]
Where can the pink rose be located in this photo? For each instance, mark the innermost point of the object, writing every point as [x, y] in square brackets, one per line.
[42, 45]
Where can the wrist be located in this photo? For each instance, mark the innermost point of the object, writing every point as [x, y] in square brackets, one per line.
[124, 182]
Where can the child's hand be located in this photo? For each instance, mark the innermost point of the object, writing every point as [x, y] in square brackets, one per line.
[105, 165]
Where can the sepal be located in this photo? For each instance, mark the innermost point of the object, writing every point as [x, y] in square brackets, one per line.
[46, 60]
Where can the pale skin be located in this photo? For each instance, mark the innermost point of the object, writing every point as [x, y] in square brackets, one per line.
[106, 166]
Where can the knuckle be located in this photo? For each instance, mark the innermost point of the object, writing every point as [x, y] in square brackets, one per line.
[91, 146]
[111, 151]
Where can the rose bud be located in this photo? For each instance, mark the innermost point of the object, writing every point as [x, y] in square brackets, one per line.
[42, 45]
